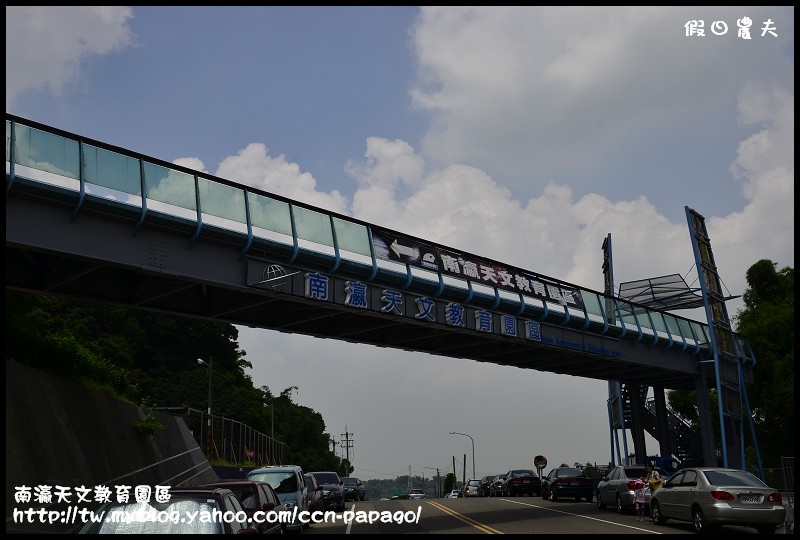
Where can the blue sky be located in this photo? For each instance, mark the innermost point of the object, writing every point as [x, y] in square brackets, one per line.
[522, 134]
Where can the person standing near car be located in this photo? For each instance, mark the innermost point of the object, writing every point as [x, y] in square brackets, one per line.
[640, 498]
[653, 480]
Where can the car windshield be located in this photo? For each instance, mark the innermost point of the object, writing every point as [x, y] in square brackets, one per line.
[281, 481]
[514, 474]
[636, 472]
[350, 481]
[641, 472]
[733, 478]
[327, 478]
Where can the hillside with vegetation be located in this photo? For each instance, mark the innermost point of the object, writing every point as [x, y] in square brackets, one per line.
[150, 359]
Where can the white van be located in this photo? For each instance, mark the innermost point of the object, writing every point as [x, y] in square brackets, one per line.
[290, 486]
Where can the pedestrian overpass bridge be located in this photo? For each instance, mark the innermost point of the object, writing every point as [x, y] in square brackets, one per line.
[94, 221]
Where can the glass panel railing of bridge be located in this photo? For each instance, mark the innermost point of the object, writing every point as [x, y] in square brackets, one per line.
[701, 333]
[659, 324]
[688, 330]
[353, 241]
[314, 231]
[674, 330]
[271, 219]
[170, 192]
[222, 205]
[44, 157]
[112, 176]
[597, 309]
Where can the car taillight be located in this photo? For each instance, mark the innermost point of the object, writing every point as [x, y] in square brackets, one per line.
[775, 498]
[586, 482]
[631, 485]
[722, 496]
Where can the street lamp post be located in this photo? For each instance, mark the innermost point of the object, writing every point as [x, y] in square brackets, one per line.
[208, 432]
[438, 486]
[473, 449]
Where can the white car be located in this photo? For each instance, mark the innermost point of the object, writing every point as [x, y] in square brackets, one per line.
[455, 494]
[416, 494]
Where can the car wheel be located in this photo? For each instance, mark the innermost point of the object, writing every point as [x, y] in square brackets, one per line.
[600, 504]
[699, 521]
[553, 496]
[589, 498]
[766, 529]
[620, 507]
[655, 513]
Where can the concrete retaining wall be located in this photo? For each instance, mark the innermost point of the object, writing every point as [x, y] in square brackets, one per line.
[59, 433]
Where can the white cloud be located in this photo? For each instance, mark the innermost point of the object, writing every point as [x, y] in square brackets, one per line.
[518, 91]
[50, 42]
[253, 166]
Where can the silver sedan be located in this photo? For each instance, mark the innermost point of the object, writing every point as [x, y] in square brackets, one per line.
[712, 496]
[617, 487]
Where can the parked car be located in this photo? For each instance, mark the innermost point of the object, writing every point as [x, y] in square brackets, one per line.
[567, 482]
[314, 491]
[712, 496]
[617, 486]
[455, 494]
[197, 501]
[496, 487]
[332, 489]
[354, 489]
[486, 484]
[255, 496]
[416, 494]
[289, 483]
[520, 481]
[472, 488]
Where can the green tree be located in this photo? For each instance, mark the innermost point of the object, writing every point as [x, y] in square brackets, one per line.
[347, 468]
[449, 482]
[767, 321]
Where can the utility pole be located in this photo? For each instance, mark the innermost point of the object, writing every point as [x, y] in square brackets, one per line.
[347, 444]
[455, 477]
[209, 432]
[272, 434]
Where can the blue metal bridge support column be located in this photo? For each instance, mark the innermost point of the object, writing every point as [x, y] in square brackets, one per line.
[665, 445]
[706, 426]
[637, 426]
